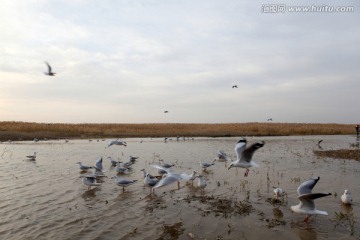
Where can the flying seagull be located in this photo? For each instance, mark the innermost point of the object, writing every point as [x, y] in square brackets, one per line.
[49, 72]
[234, 86]
[244, 155]
[166, 111]
[306, 197]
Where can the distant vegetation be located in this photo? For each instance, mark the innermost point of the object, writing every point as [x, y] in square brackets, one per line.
[29, 131]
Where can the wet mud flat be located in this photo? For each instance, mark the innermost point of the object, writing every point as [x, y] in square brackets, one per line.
[46, 199]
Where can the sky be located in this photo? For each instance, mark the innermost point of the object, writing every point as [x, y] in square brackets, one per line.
[128, 61]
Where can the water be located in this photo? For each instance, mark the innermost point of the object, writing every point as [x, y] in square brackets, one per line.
[46, 199]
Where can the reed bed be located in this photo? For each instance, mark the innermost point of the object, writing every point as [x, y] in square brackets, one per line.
[30, 130]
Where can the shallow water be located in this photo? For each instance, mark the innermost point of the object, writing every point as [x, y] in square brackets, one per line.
[46, 199]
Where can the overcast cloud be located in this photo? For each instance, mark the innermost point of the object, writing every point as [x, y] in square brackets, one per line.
[129, 61]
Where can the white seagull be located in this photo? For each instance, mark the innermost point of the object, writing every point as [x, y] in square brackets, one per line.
[346, 197]
[170, 177]
[201, 183]
[206, 165]
[306, 197]
[120, 168]
[244, 155]
[90, 180]
[112, 161]
[98, 164]
[150, 182]
[49, 72]
[83, 167]
[123, 182]
[278, 192]
[222, 156]
[116, 142]
[32, 157]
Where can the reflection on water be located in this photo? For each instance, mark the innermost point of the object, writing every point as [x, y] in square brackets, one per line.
[305, 232]
[51, 191]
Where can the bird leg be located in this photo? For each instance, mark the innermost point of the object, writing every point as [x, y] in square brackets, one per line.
[123, 189]
[246, 172]
[178, 185]
[307, 218]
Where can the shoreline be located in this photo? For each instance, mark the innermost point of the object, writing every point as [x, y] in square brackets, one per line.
[20, 131]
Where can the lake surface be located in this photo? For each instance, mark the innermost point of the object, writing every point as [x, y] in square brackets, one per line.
[46, 199]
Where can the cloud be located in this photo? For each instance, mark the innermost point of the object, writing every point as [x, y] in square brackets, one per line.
[115, 60]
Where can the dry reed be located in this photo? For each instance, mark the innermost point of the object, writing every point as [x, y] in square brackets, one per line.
[29, 130]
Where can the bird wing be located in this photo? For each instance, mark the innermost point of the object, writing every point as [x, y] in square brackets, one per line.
[239, 148]
[168, 170]
[247, 154]
[167, 180]
[49, 68]
[307, 200]
[307, 186]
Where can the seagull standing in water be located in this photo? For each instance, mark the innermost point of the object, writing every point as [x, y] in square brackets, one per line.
[278, 192]
[112, 161]
[244, 155]
[306, 197]
[32, 157]
[123, 182]
[346, 197]
[83, 167]
[90, 180]
[49, 72]
[201, 183]
[150, 182]
[98, 164]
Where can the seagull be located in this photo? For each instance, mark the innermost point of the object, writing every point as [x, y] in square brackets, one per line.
[49, 72]
[244, 155]
[32, 157]
[222, 156]
[234, 86]
[120, 168]
[192, 176]
[201, 183]
[98, 164]
[83, 167]
[123, 182]
[318, 144]
[278, 192]
[130, 162]
[113, 162]
[170, 177]
[166, 111]
[150, 176]
[165, 165]
[306, 197]
[98, 172]
[206, 165]
[90, 180]
[117, 142]
[150, 182]
[346, 197]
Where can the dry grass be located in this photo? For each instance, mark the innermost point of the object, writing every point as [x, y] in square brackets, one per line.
[29, 131]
